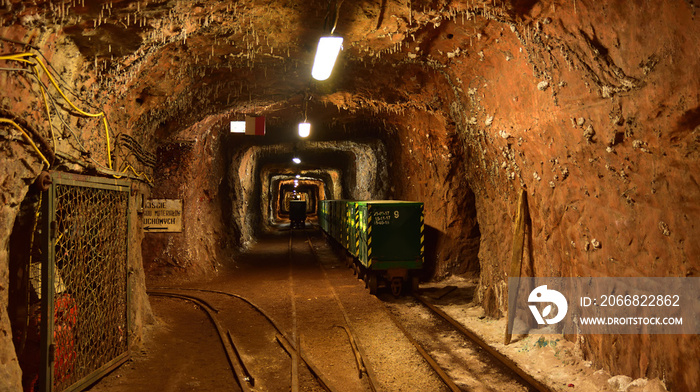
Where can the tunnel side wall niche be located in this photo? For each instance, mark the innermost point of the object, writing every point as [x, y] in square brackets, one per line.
[192, 168]
[426, 164]
[594, 112]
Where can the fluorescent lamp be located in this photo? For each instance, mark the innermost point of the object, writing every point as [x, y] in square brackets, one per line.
[304, 129]
[237, 126]
[296, 160]
[326, 54]
[298, 176]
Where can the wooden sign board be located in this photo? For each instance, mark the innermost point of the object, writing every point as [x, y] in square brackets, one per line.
[162, 216]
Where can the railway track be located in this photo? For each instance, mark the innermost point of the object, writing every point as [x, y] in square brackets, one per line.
[448, 382]
[293, 335]
[363, 369]
[527, 380]
[470, 362]
[476, 365]
[329, 335]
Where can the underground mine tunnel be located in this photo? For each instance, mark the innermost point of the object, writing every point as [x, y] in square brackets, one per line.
[544, 139]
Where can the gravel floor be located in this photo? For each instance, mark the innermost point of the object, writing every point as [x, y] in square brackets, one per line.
[309, 295]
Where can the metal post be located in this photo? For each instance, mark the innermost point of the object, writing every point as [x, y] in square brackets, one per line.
[48, 234]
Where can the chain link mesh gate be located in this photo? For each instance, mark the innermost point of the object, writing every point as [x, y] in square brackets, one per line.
[84, 284]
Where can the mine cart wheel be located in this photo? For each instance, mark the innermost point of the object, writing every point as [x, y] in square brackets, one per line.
[396, 286]
[372, 283]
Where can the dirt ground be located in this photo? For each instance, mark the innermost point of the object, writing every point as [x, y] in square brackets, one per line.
[182, 352]
[551, 359]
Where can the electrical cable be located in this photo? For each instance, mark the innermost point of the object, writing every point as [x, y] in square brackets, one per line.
[24, 44]
[48, 112]
[18, 42]
[24, 58]
[65, 84]
[137, 150]
[14, 69]
[21, 57]
[142, 174]
[54, 103]
[337, 13]
[26, 136]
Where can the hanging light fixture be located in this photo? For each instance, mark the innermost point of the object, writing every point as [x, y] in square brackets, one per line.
[327, 51]
[326, 54]
[304, 129]
[304, 126]
[296, 160]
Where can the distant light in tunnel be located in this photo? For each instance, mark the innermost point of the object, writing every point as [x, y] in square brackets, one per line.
[298, 176]
[304, 129]
[326, 54]
[296, 160]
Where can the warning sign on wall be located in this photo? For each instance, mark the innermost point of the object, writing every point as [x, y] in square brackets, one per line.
[163, 216]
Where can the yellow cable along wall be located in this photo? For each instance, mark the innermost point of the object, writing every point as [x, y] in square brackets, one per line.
[34, 63]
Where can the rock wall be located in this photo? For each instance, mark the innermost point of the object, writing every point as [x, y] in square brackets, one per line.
[20, 167]
[63, 141]
[427, 164]
[192, 167]
[593, 108]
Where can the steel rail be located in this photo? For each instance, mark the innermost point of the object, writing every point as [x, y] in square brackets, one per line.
[318, 375]
[239, 370]
[509, 363]
[358, 357]
[362, 364]
[428, 358]
[294, 356]
[287, 346]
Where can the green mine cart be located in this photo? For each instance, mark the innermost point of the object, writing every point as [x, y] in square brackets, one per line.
[390, 241]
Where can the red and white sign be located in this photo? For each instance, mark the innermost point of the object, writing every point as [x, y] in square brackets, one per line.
[255, 126]
[251, 126]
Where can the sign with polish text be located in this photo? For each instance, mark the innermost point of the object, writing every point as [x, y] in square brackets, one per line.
[162, 216]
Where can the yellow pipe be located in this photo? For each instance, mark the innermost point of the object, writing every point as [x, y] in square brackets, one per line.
[8, 121]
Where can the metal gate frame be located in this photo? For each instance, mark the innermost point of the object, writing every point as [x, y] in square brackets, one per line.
[49, 228]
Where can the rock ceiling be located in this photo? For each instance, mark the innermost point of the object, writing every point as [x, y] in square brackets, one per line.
[174, 61]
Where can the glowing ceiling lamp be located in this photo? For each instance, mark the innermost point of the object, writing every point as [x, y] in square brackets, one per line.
[296, 160]
[326, 54]
[298, 176]
[304, 129]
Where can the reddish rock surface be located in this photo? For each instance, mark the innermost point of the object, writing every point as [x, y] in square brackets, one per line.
[592, 107]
